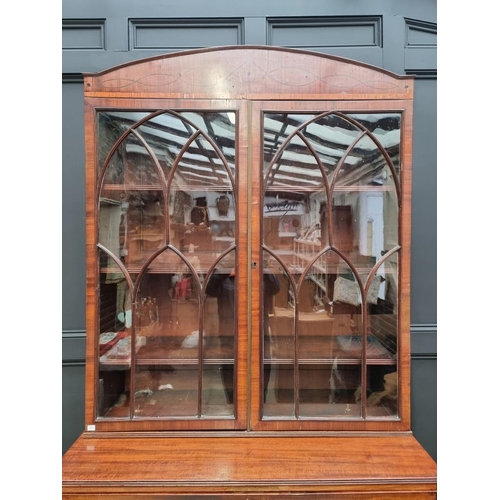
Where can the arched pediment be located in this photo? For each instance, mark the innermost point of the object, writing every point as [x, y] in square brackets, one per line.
[249, 72]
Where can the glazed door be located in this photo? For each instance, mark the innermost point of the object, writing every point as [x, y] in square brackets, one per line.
[172, 266]
[325, 253]
[247, 265]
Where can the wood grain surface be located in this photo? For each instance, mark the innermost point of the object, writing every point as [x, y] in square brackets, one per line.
[201, 465]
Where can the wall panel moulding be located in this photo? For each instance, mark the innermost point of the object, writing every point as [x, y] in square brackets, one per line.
[158, 34]
[81, 34]
[325, 32]
[420, 48]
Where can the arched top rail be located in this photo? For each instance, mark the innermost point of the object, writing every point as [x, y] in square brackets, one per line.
[248, 72]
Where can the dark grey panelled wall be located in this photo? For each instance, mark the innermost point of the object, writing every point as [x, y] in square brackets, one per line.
[399, 36]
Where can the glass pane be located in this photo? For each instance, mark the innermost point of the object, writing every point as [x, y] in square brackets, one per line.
[277, 129]
[202, 166]
[218, 390]
[382, 389]
[329, 308]
[167, 192]
[278, 320]
[202, 199]
[162, 391]
[142, 227]
[112, 226]
[328, 219]
[220, 127]
[111, 126]
[132, 215]
[115, 322]
[165, 134]
[167, 330]
[303, 159]
[140, 167]
[365, 207]
[386, 128]
[219, 337]
[294, 188]
[330, 136]
[202, 224]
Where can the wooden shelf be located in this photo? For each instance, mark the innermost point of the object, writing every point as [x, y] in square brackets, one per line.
[321, 350]
[164, 351]
[328, 411]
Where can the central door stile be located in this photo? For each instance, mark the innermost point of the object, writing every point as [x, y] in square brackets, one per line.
[242, 360]
[250, 173]
[255, 264]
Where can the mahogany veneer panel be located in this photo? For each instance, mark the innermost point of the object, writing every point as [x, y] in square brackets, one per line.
[389, 467]
[248, 72]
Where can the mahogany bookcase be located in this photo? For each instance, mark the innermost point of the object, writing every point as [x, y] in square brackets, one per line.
[248, 280]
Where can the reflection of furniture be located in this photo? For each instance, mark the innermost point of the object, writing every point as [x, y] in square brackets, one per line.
[222, 243]
[342, 227]
[177, 438]
[321, 324]
[183, 288]
[199, 237]
[303, 252]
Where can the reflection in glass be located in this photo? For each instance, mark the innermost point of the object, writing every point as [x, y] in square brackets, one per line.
[330, 214]
[280, 308]
[166, 391]
[166, 133]
[144, 225]
[386, 128]
[219, 334]
[277, 327]
[328, 136]
[167, 211]
[220, 127]
[139, 166]
[209, 137]
[130, 215]
[365, 207]
[327, 310]
[115, 322]
[166, 314]
[111, 126]
[382, 392]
